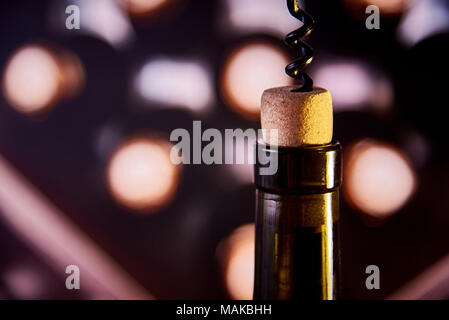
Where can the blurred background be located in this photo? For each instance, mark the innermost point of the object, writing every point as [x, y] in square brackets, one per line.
[85, 120]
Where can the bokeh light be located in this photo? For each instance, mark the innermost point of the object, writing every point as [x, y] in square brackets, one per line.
[354, 86]
[31, 79]
[143, 7]
[237, 255]
[378, 178]
[248, 71]
[24, 282]
[257, 16]
[422, 20]
[106, 20]
[37, 77]
[386, 7]
[141, 175]
[175, 83]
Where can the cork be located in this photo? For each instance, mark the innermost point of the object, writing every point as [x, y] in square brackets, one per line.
[301, 118]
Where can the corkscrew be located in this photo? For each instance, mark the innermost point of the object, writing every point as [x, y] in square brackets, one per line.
[296, 68]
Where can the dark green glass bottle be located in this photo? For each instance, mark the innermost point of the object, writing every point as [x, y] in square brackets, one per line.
[297, 243]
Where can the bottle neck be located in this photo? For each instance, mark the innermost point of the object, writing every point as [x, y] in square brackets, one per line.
[300, 170]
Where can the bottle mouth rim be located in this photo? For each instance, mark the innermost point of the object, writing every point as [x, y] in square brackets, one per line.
[305, 169]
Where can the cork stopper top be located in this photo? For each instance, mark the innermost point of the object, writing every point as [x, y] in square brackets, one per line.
[301, 118]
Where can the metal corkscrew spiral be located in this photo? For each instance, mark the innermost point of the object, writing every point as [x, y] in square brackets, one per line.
[293, 39]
